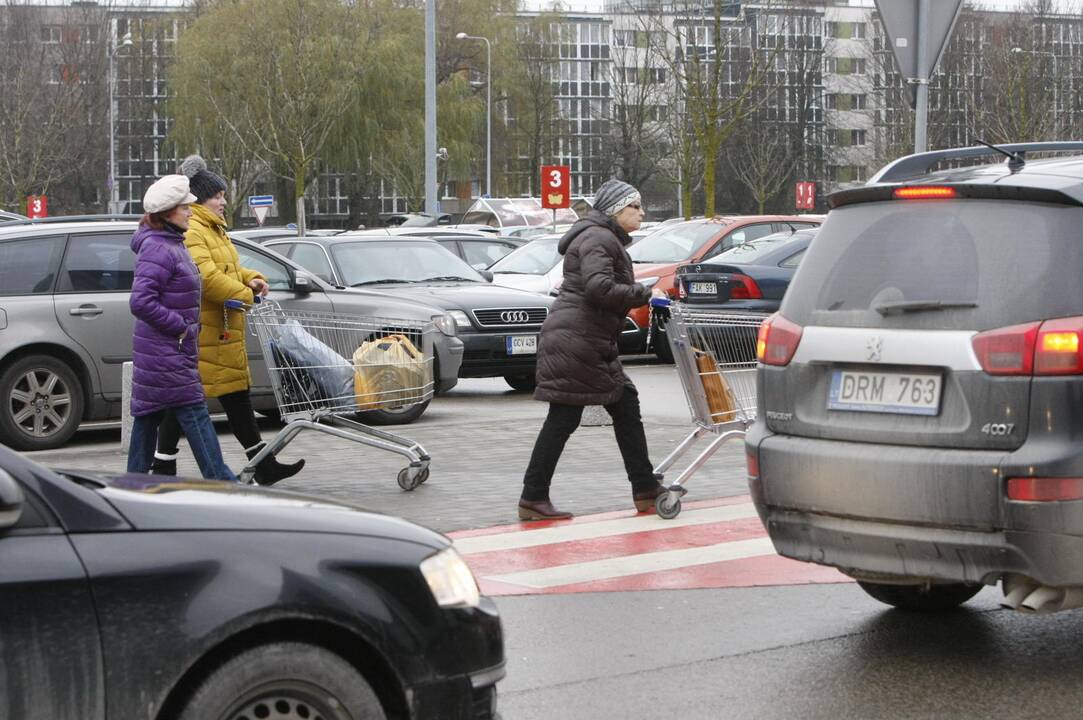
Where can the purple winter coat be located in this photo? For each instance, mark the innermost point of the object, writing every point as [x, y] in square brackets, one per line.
[165, 303]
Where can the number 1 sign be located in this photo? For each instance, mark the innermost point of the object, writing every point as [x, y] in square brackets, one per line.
[556, 186]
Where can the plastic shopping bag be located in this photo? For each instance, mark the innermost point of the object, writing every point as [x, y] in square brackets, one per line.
[330, 373]
[390, 372]
[720, 401]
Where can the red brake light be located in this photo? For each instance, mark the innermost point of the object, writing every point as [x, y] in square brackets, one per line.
[1048, 489]
[924, 192]
[777, 340]
[1053, 347]
[752, 462]
[1058, 347]
[1007, 351]
[744, 288]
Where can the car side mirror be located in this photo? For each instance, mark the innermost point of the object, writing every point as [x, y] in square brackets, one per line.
[486, 274]
[303, 284]
[11, 501]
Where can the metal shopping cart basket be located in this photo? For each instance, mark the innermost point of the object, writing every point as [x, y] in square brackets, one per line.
[715, 356]
[326, 366]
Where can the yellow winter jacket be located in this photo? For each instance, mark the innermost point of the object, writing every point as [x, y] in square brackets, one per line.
[223, 362]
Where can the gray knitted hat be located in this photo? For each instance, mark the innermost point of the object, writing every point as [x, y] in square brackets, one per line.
[203, 183]
[612, 197]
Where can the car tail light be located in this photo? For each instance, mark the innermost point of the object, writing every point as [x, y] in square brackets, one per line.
[752, 461]
[777, 340]
[681, 292]
[1057, 352]
[1052, 347]
[1047, 489]
[744, 288]
[1007, 351]
[924, 192]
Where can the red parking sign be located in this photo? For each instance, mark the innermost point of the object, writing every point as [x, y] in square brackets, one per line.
[806, 196]
[37, 206]
[556, 186]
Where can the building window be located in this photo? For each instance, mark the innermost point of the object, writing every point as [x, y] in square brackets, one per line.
[846, 173]
[845, 101]
[846, 66]
[845, 30]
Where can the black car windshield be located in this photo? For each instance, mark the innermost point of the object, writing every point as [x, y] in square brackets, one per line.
[535, 258]
[674, 244]
[944, 265]
[753, 251]
[371, 262]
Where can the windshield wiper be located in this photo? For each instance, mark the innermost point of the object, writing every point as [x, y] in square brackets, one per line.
[906, 306]
[381, 282]
[447, 277]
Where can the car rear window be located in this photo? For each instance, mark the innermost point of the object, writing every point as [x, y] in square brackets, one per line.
[674, 244]
[751, 252]
[1014, 261]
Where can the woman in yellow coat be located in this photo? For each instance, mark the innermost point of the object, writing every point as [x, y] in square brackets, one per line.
[223, 359]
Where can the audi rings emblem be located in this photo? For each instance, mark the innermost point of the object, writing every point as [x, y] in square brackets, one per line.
[515, 316]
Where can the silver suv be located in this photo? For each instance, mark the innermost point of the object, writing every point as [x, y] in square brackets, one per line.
[66, 330]
[921, 387]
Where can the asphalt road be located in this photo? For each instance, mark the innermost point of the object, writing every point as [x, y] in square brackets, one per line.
[798, 651]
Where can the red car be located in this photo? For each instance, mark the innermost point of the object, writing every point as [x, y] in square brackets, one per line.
[657, 256]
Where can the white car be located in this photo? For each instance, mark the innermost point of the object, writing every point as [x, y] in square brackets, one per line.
[536, 266]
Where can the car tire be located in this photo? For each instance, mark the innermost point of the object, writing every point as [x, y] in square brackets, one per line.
[522, 383]
[393, 416]
[922, 598]
[284, 680]
[46, 379]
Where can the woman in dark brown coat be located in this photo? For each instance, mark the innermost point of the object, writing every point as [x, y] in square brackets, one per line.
[578, 361]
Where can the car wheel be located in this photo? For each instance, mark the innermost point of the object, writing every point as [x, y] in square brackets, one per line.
[922, 598]
[522, 383]
[660, 343]
[43, 403]
[289, 681]
[393, 416]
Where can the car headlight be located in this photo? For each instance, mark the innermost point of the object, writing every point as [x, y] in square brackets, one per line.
[648, 282]
[445, 323]
[461, 320]
[450, 580]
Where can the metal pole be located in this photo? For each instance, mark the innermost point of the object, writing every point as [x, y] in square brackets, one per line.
[489, 120]
[431, 201]
[921, 117]
[112, 151]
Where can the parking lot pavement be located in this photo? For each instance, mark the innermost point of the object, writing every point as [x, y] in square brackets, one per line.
[479, 436]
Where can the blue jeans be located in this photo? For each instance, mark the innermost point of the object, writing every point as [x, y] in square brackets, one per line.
[195, 420]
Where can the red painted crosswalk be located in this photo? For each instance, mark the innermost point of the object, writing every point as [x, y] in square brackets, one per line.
[711, 544]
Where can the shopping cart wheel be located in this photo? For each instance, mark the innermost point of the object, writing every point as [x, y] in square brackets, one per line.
[423, 475]
[408, 482]
[667, 509]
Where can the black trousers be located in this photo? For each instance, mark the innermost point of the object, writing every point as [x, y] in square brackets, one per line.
[562, 421]
[239, 414]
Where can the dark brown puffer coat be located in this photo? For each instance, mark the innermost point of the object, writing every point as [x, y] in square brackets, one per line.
[577, 353]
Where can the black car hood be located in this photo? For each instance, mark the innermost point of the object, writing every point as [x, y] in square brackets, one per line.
[154, 502]
[466, 296]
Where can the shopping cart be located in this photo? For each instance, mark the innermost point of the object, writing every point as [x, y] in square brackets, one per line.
[326, 366]
[715, 356]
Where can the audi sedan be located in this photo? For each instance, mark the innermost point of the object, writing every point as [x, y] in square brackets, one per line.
[498, 326]
[142, 596]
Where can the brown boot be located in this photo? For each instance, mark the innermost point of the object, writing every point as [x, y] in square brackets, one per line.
[540, 510]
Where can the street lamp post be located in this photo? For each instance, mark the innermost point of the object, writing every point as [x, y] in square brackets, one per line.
[488, 110]
[1056, 82]
[114, 195]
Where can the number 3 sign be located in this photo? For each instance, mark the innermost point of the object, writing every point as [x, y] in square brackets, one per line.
[556, 186]
[37, 206]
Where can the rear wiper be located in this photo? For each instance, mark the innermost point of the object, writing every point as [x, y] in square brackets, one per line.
[380, 282]
[905, 306]
[447, 277]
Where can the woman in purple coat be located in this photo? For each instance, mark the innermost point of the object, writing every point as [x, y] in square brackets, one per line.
[165, 303]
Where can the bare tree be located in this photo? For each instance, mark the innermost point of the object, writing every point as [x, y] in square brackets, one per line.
[52, 108]
[531, 104]
[763, 163]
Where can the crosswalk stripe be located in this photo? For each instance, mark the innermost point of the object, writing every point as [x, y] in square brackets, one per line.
[636, 564]
[584, 531]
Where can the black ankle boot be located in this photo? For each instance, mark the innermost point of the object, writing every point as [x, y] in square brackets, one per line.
[269, 470]
[163, 466]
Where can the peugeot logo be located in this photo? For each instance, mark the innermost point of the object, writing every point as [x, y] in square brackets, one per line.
[875, 349]
[515, 316]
